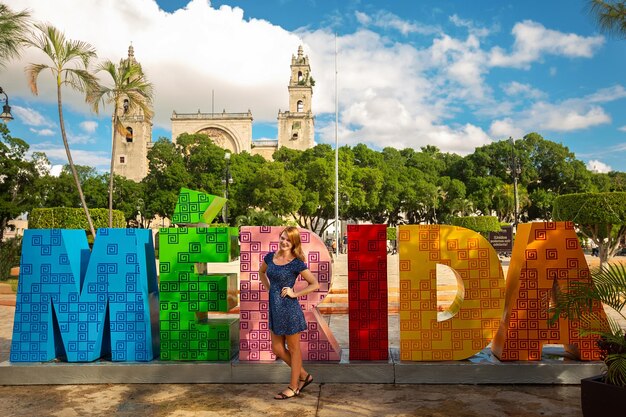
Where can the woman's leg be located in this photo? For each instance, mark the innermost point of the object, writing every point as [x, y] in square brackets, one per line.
[286, 354]
[293, 345]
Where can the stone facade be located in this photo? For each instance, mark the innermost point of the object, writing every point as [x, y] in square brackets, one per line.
[131, 150]
[296, 125]
[231, 131]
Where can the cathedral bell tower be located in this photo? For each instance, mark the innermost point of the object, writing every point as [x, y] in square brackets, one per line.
[131, 149]
[296, 126]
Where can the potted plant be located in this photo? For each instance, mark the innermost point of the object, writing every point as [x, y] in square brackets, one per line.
[604, 394]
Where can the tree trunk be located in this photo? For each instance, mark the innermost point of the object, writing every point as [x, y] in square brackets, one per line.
[71, 161]
[3, 225]
[111, 174]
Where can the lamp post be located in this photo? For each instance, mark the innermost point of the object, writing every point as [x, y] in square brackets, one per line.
[139, 207]
[6, 109]
[516, 170]
[227, 181]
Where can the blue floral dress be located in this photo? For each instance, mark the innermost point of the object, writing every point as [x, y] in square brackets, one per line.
[285, 314]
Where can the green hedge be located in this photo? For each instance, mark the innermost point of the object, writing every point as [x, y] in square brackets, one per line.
[480, 224]
[591, 208]
[73, 218]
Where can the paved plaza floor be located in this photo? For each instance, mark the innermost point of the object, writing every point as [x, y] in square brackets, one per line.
[250, 399]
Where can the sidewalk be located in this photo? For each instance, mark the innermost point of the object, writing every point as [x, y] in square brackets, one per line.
[320, 399]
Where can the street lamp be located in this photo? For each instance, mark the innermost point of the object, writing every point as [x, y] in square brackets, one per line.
[139, 207]
[6, 109]
[515, 171]
[227, 181]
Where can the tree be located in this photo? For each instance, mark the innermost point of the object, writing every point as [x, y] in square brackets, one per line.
[610, 15]
[131, 199]
[599, 216]
[312, 173]
[61, 191]
[17, 178]
[129, 89]
[13, 33]
[69, 65]
[167, 174]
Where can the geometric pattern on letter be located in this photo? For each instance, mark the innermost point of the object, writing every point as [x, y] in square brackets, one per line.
[422, 336]
[367, 292]
[544, 255]
[317, 342]
[195, 207]
[184, 292]
[64, 290]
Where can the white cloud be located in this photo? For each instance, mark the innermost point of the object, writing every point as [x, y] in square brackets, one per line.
[31, 117]
[532, 40]
[566, 116]
[461, 62]
[363, 18]
[386, 20]
[42, 132]
[471, 27]
[607, 94]
[505, 128]
[55, 170]
[391, 93]
[89, 126]
[57, 156]
[515, 88]
[623, 129]
[245, 61]
[597, 166]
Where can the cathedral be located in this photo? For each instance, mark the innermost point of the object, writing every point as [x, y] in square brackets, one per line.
[231, 131]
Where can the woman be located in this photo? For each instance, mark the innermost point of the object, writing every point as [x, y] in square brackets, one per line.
[278, 273]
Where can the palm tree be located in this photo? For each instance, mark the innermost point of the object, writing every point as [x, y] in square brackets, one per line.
[13, 33]
[69, 65]
[611, 16]
[130, 87]
[578, 302]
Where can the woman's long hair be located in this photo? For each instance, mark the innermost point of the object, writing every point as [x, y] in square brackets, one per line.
[293, 236]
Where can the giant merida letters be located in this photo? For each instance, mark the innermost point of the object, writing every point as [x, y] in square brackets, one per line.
[80, 305]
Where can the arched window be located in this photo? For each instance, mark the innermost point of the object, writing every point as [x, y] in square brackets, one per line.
[129, 135]
[126, 104]
[300, 106]
[300, 76]
[294, 136]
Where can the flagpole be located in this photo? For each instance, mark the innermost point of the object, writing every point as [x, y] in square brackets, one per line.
[336, 157]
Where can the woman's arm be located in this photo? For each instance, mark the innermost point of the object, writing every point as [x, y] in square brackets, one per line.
[308, 277]
[263, 277]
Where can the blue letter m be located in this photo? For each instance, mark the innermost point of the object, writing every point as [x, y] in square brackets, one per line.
[81, 306]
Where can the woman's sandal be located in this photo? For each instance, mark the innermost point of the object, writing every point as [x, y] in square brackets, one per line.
[307, 380]
[283, 396]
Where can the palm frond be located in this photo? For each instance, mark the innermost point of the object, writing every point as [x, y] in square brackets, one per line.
[610, 15]
[32, 73]
[616, 369]
[610, 286]
[14, 33]
[80, 79]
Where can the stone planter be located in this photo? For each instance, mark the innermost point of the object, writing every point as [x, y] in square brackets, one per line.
[600, 399]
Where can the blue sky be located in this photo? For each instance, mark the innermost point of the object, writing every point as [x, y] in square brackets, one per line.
[454, 74]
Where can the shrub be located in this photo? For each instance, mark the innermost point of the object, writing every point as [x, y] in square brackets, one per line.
[480, 224]
[73, 218]
[10, 251]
